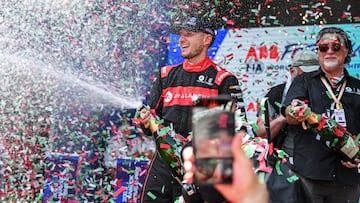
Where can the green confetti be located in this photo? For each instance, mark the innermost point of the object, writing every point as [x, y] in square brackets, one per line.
[357, 140]
[277, 167]
[292, 179]
[249, 150]
[282, 154]
[278, 104]
[304, 6]
[252, 21]
[262, 176]
[255, 127]
[336, 140]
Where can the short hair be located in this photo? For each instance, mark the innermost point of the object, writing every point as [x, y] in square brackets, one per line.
[344, 36]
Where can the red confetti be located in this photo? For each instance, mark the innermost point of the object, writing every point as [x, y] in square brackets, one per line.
[230, 55]
[271, 148]
[164, 146]
[230, 22]
[142, 173]
[251, 106]
[223, 121]
[119, 191]
[338, 132]
[196, 4]
[300, 30]
[321, 123]
[344, 16]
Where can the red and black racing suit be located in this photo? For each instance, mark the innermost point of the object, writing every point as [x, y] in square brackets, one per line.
[172, 97]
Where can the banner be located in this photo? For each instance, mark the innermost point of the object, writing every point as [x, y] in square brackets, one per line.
[259, 57]
[60, 178]
[131, 174]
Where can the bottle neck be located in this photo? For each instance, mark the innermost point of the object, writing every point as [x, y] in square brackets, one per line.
[153, 126]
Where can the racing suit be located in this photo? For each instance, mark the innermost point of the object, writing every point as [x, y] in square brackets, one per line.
[172, 98]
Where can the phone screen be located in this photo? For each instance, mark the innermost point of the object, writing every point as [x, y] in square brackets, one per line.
[213, 131]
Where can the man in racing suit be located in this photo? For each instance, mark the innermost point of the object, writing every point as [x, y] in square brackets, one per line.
[172, 96]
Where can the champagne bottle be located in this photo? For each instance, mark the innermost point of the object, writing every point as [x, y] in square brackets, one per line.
[334, 135]
[169, 149]
[168, 144]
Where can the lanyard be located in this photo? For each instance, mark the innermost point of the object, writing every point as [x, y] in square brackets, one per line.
[336, 99]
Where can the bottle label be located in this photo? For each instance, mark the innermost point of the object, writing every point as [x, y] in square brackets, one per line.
[350, 149]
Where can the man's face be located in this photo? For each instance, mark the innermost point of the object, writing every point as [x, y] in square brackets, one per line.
[295, 71]
[193, 44]
[213, 158]
[218, 147]
[332, 52]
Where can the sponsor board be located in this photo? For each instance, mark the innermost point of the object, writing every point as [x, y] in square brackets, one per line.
[259, 57]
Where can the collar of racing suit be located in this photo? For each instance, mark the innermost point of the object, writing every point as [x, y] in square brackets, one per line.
[198, 67]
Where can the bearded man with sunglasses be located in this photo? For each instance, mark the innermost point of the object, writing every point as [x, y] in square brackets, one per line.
[328, 175]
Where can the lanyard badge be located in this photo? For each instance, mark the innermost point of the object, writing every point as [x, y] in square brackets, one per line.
[339, 116]
[339, 113]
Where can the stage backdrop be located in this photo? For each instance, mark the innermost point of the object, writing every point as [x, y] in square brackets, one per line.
[260, 56]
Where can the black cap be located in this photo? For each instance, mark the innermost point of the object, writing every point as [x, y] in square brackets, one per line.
[198, 24]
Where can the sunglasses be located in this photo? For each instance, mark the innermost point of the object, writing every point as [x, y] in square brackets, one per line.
[207, 166]
[325, 47]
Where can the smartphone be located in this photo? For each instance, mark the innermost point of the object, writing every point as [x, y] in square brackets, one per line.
[213, 128]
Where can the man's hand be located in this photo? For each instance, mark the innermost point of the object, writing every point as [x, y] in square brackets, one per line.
[146, 120]
[144, 117]
[297, 112]
[350, 164]
[189, 159]
[245, 187]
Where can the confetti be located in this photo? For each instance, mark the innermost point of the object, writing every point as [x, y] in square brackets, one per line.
[71, 69]
[151, 195]
[118, 191]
